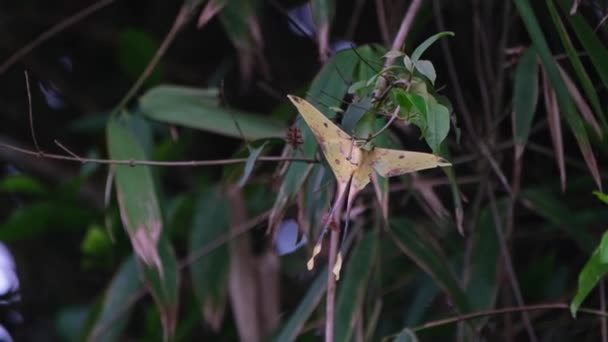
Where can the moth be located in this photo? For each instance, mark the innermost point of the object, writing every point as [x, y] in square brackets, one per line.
[353, 162]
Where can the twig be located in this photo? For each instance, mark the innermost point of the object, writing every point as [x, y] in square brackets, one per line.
[68, 150]
[603, 323]
[388, 123]
[465, 317]
[180, 20]
[30, 112]
[78, 16]
[404, 29]
[135, 162]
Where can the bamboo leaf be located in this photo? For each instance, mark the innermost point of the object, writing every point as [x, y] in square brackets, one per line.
[427, 43]
[210, 273]
[525, 98]
[563, 97]
[352, 287]
[595, 269]
[200, 109]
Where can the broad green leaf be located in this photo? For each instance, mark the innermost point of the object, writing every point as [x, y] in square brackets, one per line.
[351, 289]
[437, 125]
[428, 259]
[592, 273]
[254, 153]
[200, 109]
[117, 303]
[427, 69]
[290, 330]
[21, 184]
[427, 43]
[563, 97]
[141, 218]
[525, 96]
[574, 58]
[209, 273]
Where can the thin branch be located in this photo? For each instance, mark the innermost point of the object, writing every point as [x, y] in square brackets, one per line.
[78, 16]
[135, 162]
[388, 123]
[404, 29]
[330, 306]
[473, 315]
[67, 150]
[180, 20]
[30, 112]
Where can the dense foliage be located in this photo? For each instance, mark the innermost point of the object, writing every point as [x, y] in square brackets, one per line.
[158, 185]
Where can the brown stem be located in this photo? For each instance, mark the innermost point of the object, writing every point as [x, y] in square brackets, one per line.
[134, 162]
[180, 20]
[493, 312]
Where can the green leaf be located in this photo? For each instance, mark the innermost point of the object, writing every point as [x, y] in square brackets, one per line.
[427, 43]
[596, 50]
[117, 303]
[353, 285]
[200, 109]
[437, 125]
[209, 273]
[575, 60]
[393, 54]
[254, 153]
[427, 69]
[563, 97]
[164, 286]
[135, 49]
[406, 335]
[354, 113]
[329, 87]
[482, 286]
[44, 217]
[601, 196]
[428, 259]
[141, 218]
[592, 273]
[21, 184]
[525, 96]
[290, 330]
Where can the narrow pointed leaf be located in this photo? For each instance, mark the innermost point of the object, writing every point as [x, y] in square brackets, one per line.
[254, 153]
[351, 289]
[427, 43]
[525, 98]
[210, 273]
[200, 109]
[290, 330]
[563, 97]
[141, 218]
[117, 303]
[577, 64]
[592, 273]
[555, 127]
[429, 260]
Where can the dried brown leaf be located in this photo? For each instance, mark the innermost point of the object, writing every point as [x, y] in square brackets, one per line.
[580, 102]
[555, 127]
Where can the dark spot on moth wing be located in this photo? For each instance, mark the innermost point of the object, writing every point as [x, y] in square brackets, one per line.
[401, 156]
[325, 124]
[337, 161]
